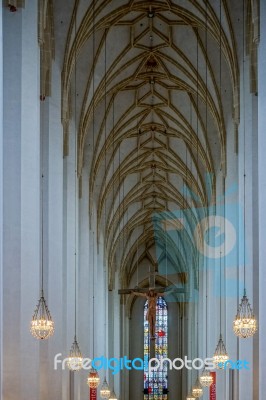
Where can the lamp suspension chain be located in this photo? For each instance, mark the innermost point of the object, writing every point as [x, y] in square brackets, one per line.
[42, 324]
[75, 358]
[245, 323]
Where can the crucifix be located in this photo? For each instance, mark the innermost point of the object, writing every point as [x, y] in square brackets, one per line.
[151, 294]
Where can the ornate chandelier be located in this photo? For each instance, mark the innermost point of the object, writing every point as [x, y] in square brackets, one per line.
[220, 356]
[197, 390]
[245, 323]
[113, 396]
[93, 380]
[206, 378]
[105, 391]
[75, 359]
[42, 325]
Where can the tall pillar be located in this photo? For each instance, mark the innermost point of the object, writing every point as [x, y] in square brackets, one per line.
[30, 201]
[53, 149]
[21, 202]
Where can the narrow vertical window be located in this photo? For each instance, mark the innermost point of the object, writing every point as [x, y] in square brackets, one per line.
[155, 384]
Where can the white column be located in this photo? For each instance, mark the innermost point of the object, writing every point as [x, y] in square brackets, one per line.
[53, 140]
[69, 221]
[11, 204]
[21, 222]
[85, 288]
[30, 201]
[117, 338]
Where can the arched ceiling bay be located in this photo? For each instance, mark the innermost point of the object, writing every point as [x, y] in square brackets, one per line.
[148, 79]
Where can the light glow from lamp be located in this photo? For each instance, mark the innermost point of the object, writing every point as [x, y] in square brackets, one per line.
[105, 391]
[197, 390]
[75, 359]
[245, 323]
[93, 380]
[42, 325]
[220, 356]
[113, 396]
[206, 378]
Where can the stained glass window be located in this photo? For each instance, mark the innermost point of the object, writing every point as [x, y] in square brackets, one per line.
[155, 384]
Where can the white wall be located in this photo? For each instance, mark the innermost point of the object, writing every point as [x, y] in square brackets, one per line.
[21, 206]
[27, 363]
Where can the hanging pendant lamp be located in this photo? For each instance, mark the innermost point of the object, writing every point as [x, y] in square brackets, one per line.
[206, 378]
[42, 325]
[93, 380]
[113, 396]
[220, 356]
[105, 390]
[245, 323]
[75, 359]
[190, 397]
[197, 390]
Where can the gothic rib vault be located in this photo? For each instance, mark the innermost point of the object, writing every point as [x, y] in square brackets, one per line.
[163, 97]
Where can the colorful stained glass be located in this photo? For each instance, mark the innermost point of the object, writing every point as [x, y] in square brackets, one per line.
[155, 384]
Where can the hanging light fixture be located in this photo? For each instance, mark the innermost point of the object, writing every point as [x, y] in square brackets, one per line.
[42, 325]
[206, 378]
[75, 359]
[93, 380]
[113, 396]
[190, 395]
[197, 390]
[220, 356]
[245, 323]
[105, 390]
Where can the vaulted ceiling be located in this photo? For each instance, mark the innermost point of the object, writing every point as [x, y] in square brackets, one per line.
[153, 97]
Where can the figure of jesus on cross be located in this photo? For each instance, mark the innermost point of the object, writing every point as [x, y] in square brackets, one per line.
[152, 297]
